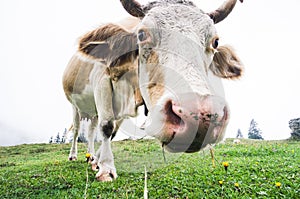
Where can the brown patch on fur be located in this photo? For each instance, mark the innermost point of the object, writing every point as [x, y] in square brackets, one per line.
[76, 76]
[138, 98]
[156, 78]
[100, 34]
[117, 72]
[226, 64]
[110, 43]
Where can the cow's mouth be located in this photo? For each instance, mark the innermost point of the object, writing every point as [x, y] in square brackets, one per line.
[190, 129]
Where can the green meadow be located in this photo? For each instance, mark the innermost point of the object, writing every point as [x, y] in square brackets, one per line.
[256, 169]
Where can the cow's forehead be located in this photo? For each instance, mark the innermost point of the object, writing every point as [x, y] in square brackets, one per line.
[180, 18]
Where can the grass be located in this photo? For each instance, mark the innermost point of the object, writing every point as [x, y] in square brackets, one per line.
[43, 171]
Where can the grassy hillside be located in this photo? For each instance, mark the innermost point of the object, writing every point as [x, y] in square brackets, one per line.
[43, 171]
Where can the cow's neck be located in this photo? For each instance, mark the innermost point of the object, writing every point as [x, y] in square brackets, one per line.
[127, 96]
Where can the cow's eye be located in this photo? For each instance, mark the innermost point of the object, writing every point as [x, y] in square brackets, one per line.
[142, 36]
[215, 43]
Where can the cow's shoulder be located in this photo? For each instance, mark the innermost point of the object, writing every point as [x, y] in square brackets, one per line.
[79, 74]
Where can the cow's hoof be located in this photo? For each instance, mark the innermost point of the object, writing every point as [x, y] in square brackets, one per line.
[94, 164]
[95, 167]
[90, 159]
[106, 177]
[72, 158]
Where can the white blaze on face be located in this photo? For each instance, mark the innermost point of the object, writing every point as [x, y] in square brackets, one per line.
[180, 42]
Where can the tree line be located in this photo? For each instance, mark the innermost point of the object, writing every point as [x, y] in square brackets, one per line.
[67, 137]
[253, 132]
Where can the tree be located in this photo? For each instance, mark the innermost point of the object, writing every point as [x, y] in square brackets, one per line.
[81, 136]
[239, 134]
[254, 132]
[64, 136]
[51, 140]
[294, 125]
[57, 139]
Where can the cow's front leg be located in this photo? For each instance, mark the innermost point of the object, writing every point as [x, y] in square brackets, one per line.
[104, 104]
[107, 170]
[95, 159]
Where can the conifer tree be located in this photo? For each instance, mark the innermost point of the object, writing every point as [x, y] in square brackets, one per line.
[239, 134]
[254, 132]
[57, 140]
[64, 136]
[51, 140]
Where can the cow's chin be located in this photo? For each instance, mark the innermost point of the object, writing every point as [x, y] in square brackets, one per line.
[192, 140]
[187, 131]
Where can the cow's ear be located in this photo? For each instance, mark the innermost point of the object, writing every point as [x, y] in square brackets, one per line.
[99, 50]
[111, 44]
[226, 64]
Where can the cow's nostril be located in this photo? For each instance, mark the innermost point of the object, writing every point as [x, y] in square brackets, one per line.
[172, 117]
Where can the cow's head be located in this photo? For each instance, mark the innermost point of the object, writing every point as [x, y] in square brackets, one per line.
[179, 65]
[178, 52]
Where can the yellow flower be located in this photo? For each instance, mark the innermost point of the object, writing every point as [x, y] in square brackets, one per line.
[221, 182]
[87, 155]
[225, 164]
[278, 184]
[236, 184]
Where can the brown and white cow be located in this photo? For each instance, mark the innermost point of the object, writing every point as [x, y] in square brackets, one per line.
[167, 58]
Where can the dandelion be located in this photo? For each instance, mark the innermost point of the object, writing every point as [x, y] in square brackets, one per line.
[220, 182]
[278, 184]
[225, 164]
[237, 186]
[88, 156]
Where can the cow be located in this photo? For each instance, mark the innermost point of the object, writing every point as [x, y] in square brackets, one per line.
[166, 57]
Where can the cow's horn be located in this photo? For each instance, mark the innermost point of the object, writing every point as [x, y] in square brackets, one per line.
[223, 11]
[133, 8]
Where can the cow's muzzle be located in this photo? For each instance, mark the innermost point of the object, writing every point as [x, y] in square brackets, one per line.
[192, 122]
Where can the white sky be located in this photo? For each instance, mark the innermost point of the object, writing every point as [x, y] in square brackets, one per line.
[37, 39]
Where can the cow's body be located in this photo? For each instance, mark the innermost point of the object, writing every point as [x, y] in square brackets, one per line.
[103, 96]
[165, 61]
